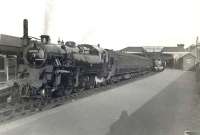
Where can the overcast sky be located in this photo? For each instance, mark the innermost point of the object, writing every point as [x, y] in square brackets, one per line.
[112, 23]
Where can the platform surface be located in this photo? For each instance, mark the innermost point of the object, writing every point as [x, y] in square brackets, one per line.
[166, 103]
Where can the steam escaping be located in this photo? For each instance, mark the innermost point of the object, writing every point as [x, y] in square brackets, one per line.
[87, 36]
[47, 16]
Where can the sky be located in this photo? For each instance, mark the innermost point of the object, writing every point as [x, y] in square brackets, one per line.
[114, 24]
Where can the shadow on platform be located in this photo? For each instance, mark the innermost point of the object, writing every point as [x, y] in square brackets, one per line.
[172, 111]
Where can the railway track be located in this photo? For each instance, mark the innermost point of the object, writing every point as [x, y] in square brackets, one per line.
[14, 111]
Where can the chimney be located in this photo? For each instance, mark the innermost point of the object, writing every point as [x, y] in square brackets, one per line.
[70, 44]
[25, 29]
[180, 45]
[45, 39]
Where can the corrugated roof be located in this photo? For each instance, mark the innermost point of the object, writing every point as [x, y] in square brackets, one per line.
[191, 47]
[7, 40]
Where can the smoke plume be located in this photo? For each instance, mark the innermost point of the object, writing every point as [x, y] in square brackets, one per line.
[47, 16]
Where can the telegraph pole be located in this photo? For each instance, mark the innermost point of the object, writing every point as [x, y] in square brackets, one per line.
[197, 51]
[197, 59]
[197, 40]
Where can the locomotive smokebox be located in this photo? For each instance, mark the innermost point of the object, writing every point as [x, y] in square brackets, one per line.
[45, 39]
[25, 28]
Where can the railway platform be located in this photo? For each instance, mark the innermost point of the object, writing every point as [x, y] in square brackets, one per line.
[165, 103]
[5, 85]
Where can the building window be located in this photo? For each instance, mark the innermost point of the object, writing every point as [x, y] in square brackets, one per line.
[3, 76]
[12, 67]
[2, 63]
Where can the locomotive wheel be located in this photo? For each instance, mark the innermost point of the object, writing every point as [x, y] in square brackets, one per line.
[111, 81]
[92, 82]
[58, 93]
[45, 94]
[97, 85]
[132, 75]
[70, 87]
[84, 82]
[68, 91]
[25, 91]
[104, 83]
[87, 82]
[108, 82]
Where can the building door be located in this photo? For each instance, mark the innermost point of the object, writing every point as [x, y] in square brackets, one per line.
[188, 63]
[3, 69]
[8, 68]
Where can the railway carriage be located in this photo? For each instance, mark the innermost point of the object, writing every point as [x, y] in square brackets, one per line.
[124, 66]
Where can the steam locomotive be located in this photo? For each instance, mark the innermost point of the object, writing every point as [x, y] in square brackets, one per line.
[49, 70]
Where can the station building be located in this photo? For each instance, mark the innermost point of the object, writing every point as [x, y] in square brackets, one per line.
[175, 57]
[10, 44]
[10, 48]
